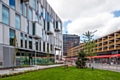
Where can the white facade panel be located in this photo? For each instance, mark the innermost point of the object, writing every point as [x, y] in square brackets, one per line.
[1, 55]
[6, 35]
[1, 33]
[38, 30]
[6, 1]
[12, 18]
[30, 3]
[23, 24]
[18, 37]
[34, 17]
[45, 47]
[33, 43]
[17, 5]
[51, 27]
[42, 45]
[30, 28]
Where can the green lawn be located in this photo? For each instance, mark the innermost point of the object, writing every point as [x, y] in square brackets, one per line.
[72, 73]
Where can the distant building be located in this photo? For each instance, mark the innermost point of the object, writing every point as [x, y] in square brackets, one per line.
[106, 45]
[70, 41]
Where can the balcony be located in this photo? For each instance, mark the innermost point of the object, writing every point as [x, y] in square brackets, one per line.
[111, 38]
[24, 1]
[105, 40]
[117, 47]
[118, 42]
[118, 36]
[112, 43]
[104, 45]
[37, 30]
[111, 48]
[50, 29]
[58, 27]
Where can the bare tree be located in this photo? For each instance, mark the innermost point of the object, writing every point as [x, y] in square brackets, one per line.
[15, 44]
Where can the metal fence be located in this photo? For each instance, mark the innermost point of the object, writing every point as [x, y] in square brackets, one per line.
[105, 66]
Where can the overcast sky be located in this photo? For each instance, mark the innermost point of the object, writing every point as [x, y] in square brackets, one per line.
[79, 16]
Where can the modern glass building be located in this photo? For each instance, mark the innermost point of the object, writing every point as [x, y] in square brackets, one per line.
[37, 28]
[70, 41]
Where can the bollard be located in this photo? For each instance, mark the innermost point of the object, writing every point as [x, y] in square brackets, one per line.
[92, 68]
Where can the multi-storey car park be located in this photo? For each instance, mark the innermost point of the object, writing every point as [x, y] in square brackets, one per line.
[106, 45]
[37, 29]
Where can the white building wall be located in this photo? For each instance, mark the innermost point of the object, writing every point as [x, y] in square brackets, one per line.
[30, 3]
[23, 24]
[6, 1]
[34, 17]
[1, 33]
[33, 40]
[42, 45]
[1, 55]
[30, 27]
[18, 37]
[6, 35]
[12, 18]
[17, 5]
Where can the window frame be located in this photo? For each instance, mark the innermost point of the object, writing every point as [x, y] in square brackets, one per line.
[3, 6]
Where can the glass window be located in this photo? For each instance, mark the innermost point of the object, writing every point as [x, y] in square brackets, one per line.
[17, 22]
[21, 7]
[27, 27]
[25, 12]
[44, 46]
[41, 11]
[47, 47]
[40, 46]
[51, 47]
[25, 41]
[34, 3]
[36, 17]
[21, 39]
[30, 14]
[5, 15]
[12, 3]
[12, 35]
[30, 42]
[37, 6]
[36, 44]
[44, 25]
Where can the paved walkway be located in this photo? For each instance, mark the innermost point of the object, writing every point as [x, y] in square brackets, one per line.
[114, 67]
[17, 70]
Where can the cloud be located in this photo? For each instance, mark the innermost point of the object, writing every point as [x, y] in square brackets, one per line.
[88, 15]
[103, 25]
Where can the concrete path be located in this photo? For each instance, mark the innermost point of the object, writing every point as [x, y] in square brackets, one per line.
[114, 67]
[17, 70]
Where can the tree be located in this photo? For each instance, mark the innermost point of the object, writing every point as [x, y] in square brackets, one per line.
[81, 60]
[48, 55]
[89, 43]
[15, 44]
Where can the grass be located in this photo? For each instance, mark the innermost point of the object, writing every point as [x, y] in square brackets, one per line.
[71, 73]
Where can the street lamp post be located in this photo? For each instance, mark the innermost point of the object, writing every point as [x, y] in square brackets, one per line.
[35, 53]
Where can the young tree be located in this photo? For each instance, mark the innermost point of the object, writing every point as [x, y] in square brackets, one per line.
[48, 55]
[15, 44]
[81, 61]
[89, 43]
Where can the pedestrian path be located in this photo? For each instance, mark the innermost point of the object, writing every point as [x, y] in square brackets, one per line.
[115, 68]
[35, 67]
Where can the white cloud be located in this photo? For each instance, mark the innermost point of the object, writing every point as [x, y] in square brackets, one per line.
[88, 15]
